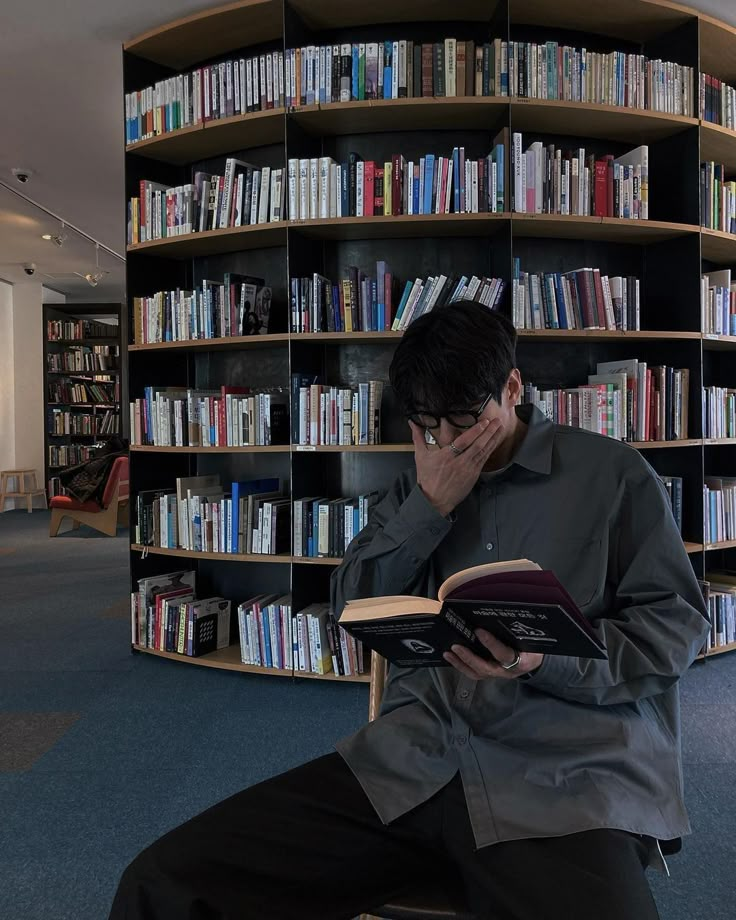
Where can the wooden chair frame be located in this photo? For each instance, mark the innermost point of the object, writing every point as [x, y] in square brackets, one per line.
[105, 520]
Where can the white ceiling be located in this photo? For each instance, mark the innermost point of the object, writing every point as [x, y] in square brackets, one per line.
[62, 116]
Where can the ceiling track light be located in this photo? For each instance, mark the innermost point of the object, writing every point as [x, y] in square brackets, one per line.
[94, 278]
[58, 239]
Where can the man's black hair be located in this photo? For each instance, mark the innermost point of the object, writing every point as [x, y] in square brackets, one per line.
[452, 358]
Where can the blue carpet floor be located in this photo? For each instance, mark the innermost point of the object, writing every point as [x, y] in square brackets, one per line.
[142, 744]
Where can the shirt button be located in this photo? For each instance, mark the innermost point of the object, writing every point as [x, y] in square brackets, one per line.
[489, 546]
[464, 694]
[462, 739]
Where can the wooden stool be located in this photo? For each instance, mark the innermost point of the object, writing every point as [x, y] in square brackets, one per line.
[21, 485]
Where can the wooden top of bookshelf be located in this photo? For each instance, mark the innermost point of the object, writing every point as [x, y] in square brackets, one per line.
[254, 449]
[610, 229]
[584, 119]
[209, 33]
[656, 445]
[212, 138]
[588, 335]
[412, 114]
[718, 144]
[228, 659]
[636, 20]
[718, 246]
[327, 14]
[717, 48]
[693, 547]
[719, 442]
[211, 242]
[724, 544]
[719, 342]
[231, 342]
[223, 557]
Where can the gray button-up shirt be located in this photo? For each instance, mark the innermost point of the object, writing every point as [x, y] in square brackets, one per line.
[582, 743]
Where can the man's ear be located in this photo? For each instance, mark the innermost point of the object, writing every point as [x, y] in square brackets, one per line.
[514, 387]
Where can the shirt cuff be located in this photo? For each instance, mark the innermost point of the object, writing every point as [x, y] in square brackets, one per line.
[554, 672]
[418, 523]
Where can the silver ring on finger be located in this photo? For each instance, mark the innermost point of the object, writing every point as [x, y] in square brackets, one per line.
[455, 449]
[513, 664]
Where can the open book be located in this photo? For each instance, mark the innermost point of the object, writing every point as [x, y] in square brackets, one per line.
[521, 604]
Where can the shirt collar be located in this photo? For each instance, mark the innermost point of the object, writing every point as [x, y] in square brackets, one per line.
[535, 451]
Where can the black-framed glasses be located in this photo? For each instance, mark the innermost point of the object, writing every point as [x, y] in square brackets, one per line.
[458, 418]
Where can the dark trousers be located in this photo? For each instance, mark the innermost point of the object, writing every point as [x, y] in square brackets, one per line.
[307, 845]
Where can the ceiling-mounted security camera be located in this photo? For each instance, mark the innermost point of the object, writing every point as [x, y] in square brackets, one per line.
[22, 175]
[29, 268]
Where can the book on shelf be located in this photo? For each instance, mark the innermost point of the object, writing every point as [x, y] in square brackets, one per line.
[547, 180]
[239, 305]
[326, 527]
[95, 359]
[720, 597]
[360, 303]
[333, 416]
[243, 195]
[167, 616]
[519, 603]
[717, 198]
[97, 392]
[253, 517]
[224, 417]
[78, 329]
[69, 454]
[65, 422]
[719, 508]
[221, 90]
[626, 400]
[717, 101]
[673, 486]
[583, 298]
[719, 412]
[718, 303]
[323, 188]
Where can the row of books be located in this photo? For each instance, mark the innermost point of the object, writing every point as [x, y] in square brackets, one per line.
[547, 180]
[326, 527]
[94, 392]
[324, 415]
[717, 198]
[69, 454]
[673, 485]
[394, 69]
[624, 399]
[552, 71]
[717, 101]
[719, 509]
[321, 187]
[244, 194]
[84, 358]
[309, 641]
[62, 422]
[232, 87]
[198, 515]
[719, 412]
[226, 416]
[360, 303]
[54, 487]
[718, 303]
[239, 305]
[57, 329]
[721, 600]
[580, 299]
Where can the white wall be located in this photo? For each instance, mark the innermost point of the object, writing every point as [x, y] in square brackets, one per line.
[7, 377]
[21, 378]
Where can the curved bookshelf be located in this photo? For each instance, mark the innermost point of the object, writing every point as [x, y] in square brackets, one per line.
[210, 138]
[209, 33]
[215, 33]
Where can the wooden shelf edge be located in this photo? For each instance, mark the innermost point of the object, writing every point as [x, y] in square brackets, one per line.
[692, 547]
[255, 449]
[218, 557]
[724, 544]
[718, 650]
[229, 660]
[654, 445]
[234, 341]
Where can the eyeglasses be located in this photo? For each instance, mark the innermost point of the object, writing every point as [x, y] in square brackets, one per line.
[458, 418]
